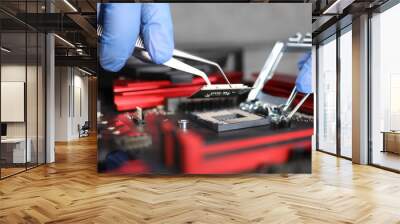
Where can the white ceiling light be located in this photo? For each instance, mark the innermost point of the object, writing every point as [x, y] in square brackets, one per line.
[65, 41]
[70, 5]
[337, 7]
[5, 50]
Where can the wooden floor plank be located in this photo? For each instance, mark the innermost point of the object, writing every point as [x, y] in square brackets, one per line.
[71, 191]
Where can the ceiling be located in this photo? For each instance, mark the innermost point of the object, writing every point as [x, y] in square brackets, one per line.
[332, 15]
[195, 25]
[74, 22]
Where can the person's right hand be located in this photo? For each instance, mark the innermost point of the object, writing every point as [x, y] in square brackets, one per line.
[123, 23]
[304, 77]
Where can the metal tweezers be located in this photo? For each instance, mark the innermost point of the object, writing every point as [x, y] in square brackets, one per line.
[209, 89]
[142, 53]
[174, 63]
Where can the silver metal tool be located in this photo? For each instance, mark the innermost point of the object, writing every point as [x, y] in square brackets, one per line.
[182, 54]
[298, 43]
[208, 91]
[296, 108]
[267, 71]
[141, 53]
[290, 99]
[221, 90]
[183, 124]
[278, 114]
[281, 115]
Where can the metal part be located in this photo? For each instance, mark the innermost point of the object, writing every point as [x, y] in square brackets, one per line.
[279, 114]
[173, 63]
[227, 120]
[256, 107]
[181, 54]
[142, 54]
[267, 71]
[221, 90]
[183, 124]
[207, 91]
[298, 106]
[296, 43]
[290, 99]
[185, 55]
[139, 115]
[99, 30]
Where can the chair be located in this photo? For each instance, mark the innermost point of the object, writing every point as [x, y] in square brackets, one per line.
[84, 130]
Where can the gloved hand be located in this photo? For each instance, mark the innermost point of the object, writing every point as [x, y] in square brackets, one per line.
[122, 23]
[304, 81]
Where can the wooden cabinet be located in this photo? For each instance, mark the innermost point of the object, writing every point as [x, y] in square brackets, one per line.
[391, 141]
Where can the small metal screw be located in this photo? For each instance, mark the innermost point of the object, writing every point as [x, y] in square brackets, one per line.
[183, 124]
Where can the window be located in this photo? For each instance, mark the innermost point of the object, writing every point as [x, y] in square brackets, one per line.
[327, 97]
[385, 89]
[346, 94]
[22, 77]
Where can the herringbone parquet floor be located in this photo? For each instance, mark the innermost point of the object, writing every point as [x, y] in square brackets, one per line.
[71, 191]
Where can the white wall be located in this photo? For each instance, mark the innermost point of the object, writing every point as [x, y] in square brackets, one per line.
[254, 60]
[236, 25]
[33, 126]
[12, 73]
[71, 93]
[253, 27]
[80, 103]
[62, 81]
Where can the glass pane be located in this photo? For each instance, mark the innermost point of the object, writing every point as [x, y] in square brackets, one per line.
[23, 82]
[31, 88]
[41, 99]
[31, 97]
[346, 94]
[13, 86]
[385, 86]
[327, 97]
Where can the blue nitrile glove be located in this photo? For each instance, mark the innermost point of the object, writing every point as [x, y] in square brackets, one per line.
[303, 81]
[123, 22]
